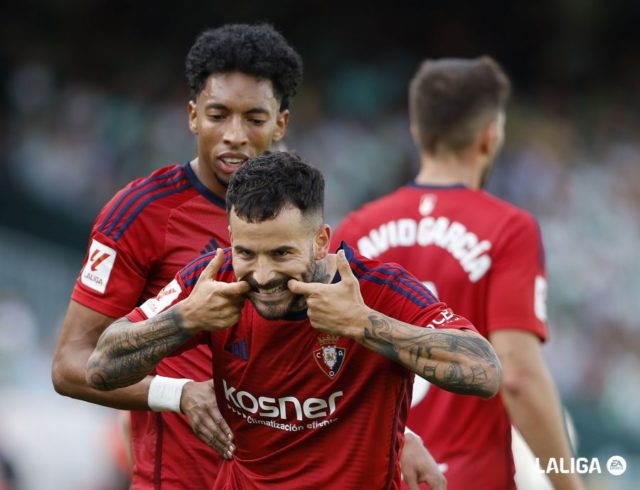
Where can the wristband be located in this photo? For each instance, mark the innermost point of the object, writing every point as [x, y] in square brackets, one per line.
[165, 393]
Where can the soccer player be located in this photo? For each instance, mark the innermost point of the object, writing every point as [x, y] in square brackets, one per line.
[242, 78]
[312, 373]
[481, 255]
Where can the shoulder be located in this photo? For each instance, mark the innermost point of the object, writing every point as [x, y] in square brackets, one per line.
[149, 198]
[504, 215]
[385, 278]
[503, 207]
[371, 214]
[384, 203]
[190, 273]
[517, 231]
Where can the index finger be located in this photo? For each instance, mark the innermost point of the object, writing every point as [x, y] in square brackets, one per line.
[212, 268]
[238, 288]
[303, 288]
[412, 483]
[221, 427]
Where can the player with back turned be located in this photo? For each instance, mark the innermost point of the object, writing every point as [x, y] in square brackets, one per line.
[242, 78]
[482, 256]
[314, 352]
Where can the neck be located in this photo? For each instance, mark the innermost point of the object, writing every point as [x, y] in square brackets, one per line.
[208, 178]
[325, 269]
[450, 169]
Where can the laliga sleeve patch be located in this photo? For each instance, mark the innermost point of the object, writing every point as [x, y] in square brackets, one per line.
[165, 297]
[97, 270]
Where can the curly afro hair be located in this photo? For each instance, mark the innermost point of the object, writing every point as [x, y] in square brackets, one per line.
[257, 50]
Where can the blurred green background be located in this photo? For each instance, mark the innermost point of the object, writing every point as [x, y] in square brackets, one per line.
[92, 94]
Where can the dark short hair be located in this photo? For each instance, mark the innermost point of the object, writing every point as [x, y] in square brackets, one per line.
[258, 50]
[273, 180]
[450, 98]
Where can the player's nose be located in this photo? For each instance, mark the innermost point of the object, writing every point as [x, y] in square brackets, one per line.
[235, 134]
[263, 272]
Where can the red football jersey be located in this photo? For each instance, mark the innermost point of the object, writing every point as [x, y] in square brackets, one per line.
[307, 409]
[484, 258]
[141, 238]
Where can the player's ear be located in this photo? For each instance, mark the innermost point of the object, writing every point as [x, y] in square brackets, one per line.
[282, 122]
[487, 139]
[193, 117]
[322, 241]
[414, 133]
[491, 137]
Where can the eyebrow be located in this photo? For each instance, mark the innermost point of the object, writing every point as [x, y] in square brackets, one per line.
[284, 248]
[222, 107]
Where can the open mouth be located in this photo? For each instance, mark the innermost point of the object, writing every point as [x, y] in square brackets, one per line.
[271, 290]
[274, 293]
[230, 163]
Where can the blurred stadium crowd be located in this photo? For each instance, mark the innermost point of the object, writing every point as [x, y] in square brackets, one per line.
[572, 159]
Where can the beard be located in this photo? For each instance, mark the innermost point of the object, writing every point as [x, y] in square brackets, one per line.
[284, 301]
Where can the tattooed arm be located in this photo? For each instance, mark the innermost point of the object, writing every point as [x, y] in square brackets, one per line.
[128, 351]
[461, 361]
[455, 360]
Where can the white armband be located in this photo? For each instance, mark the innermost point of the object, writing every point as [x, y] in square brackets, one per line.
[165, 393]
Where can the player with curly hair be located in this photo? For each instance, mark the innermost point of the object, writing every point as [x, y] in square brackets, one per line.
[242, 79]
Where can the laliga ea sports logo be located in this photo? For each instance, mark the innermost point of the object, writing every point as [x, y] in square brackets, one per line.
[616, 465]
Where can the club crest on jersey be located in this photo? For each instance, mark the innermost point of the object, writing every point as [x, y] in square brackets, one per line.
[427, 204]
[329, 357]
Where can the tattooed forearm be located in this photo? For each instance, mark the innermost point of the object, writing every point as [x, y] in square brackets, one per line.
[379, 336]
[127, 352]
[457, 361]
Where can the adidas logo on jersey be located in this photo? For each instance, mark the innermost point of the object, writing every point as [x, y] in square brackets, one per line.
[238, 349]
[210, 246]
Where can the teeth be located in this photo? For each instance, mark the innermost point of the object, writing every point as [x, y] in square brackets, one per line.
[271, 290]
[232, 161]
